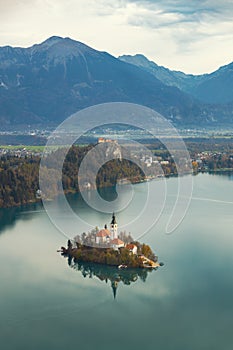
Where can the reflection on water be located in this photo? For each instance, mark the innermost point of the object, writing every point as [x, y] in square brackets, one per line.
[109, 274]
[227, 174]
[185, 305]
[9, 216]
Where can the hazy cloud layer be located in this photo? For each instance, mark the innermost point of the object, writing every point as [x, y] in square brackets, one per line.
[157, 14]
[188, 7]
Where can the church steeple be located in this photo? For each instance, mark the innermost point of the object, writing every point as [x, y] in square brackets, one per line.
[113, 219]
[114, 285]
[113, 227]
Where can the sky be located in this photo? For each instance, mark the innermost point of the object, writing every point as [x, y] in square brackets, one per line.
[193, 36]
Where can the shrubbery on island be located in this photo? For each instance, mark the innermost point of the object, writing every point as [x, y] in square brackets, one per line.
[110, 256]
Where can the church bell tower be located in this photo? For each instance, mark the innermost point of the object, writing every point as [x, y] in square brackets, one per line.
[113, 227]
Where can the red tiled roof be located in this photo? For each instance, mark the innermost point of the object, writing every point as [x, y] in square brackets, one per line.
[103, 233]
[131, 246]
[117, 241]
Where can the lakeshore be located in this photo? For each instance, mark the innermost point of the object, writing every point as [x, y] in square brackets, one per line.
[19, 168]
[108, 257]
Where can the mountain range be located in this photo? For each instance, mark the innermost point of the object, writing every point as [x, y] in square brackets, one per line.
[45, 83]
[216, 87]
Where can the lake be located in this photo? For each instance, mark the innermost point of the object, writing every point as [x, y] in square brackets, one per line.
[47, 302]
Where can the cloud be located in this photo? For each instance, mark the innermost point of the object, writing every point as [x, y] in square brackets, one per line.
[189, 24]
[187, 7]
[156, 14]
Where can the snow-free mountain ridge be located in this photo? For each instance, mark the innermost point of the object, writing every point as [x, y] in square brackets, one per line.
[47, 82]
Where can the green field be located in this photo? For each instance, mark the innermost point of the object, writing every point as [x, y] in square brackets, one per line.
[32, 148]
[28, 148]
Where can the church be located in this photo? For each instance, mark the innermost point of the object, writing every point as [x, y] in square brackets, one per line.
[110, 236]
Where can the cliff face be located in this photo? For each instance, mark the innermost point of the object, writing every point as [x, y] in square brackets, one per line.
[113, 150]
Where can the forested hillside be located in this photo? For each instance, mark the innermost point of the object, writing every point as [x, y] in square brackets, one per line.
[19, 177]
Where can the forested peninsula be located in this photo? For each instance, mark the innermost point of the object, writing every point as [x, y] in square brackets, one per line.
[19, 177]
[19, 170]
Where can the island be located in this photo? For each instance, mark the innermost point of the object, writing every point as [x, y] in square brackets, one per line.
[106, 247]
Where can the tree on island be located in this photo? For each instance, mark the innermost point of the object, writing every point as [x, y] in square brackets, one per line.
[126, 238]
[69, 245]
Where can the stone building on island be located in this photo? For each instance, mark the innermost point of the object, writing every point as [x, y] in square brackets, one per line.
[103, 236]
[109, 237]
[117, 243]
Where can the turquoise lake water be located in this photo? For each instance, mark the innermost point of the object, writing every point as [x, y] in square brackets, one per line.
[47, 302]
